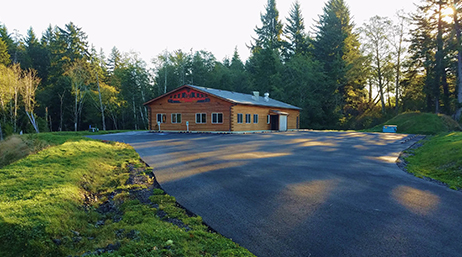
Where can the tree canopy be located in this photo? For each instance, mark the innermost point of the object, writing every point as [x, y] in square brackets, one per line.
[342, 76]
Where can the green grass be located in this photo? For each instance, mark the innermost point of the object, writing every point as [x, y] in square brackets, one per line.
[420, 123]
[16, 147]
[439, 158]
[42, 198]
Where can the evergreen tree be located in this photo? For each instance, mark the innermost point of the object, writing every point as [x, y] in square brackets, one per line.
[269, 34]
[297, 40]
[264, 65]
[336, 47]
[430, 57]
[8, 40]
[265, 69]
[37, 56]
[4, 56]
[239, 78]
[114, 60]
[202, 64]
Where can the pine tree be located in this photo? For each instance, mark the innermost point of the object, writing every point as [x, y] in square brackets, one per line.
[239, 79]
[114, 60]
[294, 31]
[4, 56]
[37, 56]
[8, 40]
[336, 47]
[269, 34]
[430, 56]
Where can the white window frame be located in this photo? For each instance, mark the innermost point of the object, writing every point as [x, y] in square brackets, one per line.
[242, 118]
[268, 119]
[202, 115]
[248, 118]
[176, 118]
[217, 115]
[163, 115]
[255, 121]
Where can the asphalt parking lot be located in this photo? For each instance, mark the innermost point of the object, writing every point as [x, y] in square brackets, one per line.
[306, 193]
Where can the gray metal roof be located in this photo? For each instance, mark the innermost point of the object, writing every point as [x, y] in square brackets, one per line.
[245, 98]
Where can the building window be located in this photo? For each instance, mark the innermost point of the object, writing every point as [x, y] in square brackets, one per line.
[255, 118]
[176, 117]
[268, 119]
[247, 118]
[201, 118]
[239, 118]
[217, 118]
[161, 117]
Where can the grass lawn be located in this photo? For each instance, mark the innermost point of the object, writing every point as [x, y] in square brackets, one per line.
[420, 123]
[72, 198]
[439, 158]
[17, 147]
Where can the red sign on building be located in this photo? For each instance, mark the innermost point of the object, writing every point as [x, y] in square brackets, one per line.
[188, 95]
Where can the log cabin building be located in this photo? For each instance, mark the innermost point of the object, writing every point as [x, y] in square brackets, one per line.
[193, 108]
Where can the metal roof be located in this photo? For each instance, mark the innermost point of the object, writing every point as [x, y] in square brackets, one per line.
[245, 98]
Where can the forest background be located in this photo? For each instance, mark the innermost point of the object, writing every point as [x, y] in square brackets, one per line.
[343, 76]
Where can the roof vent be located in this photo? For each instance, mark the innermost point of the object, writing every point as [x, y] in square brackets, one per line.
[266, 97]
[256, 95]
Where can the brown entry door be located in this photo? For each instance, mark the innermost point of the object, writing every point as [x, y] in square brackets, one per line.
[274, 121]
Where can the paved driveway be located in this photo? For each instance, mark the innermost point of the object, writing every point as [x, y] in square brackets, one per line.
[306, 193]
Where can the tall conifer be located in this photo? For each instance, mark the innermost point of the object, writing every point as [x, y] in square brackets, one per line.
[336, 47]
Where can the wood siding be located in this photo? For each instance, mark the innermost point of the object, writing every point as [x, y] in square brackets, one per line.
[189, 102]
[188, 113]
[262, 112]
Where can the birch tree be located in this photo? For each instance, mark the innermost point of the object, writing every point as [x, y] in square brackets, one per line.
[30, 82]
[78, 76]
[398, 34]
[376, 45]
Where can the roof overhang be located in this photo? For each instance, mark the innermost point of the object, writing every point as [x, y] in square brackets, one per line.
[276, 112]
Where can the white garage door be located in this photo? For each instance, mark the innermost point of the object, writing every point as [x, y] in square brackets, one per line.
[282, 122]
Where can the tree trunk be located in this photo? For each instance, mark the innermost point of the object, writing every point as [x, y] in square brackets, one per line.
[113, 119]
[446, 100]
[370, 90]
[380, 78]
[80, 106]
[397, 78]
[76, 110]
[459, 83]
[61, 98]
[15, 111]
[32, 121]
[134, 111]
[382, 99]
[459, 65]
[439, 67]
[143, 118]
[101, 104]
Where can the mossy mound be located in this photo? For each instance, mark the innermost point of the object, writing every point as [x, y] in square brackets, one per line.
[421, 123]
